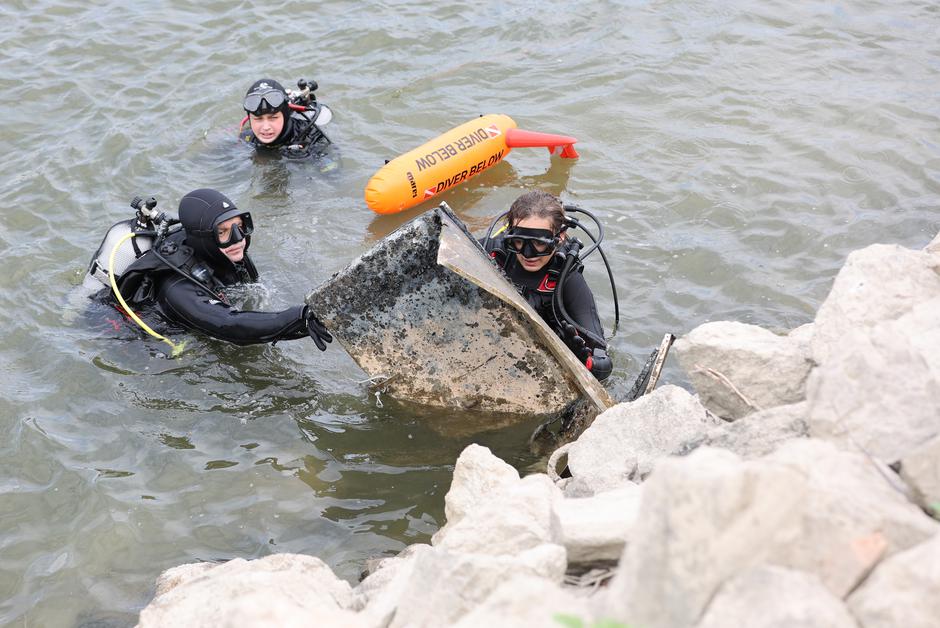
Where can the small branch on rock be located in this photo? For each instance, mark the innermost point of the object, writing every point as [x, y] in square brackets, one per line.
[723, 379]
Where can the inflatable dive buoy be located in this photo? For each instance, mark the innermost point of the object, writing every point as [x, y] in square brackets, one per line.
[453, 158]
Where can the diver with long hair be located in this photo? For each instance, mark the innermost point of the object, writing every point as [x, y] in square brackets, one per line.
[536, 254]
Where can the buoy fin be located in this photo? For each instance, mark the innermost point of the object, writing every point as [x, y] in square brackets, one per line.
[562, 145]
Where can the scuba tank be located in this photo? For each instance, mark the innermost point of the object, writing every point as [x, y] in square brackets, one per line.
[123, 244]
[129, 249]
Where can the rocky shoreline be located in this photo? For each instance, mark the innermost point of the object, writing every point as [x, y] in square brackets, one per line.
[800, 486]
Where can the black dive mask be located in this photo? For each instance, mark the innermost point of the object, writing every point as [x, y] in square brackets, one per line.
[260, 103]
[237, 232]
[530, 243]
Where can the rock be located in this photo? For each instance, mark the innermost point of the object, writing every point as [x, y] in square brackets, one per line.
[921, 470]
[758, 433]
[766, 369]
[774, 597]
[904, 590]
[512, 519]
[175, 576]
[596, 528]
[623, 443]
[444, 586]
[934, 246]
[707, 517]
[526, 601]
[881, 392]
[277, 590]
[378, 596]
[477, 475]
[877, 284]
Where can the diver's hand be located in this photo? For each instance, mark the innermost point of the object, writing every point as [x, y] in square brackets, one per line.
[576, 343]
[316, 329]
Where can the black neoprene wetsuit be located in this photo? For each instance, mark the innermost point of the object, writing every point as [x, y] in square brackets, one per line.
[164, 280]
[538, 288]
[301, 139]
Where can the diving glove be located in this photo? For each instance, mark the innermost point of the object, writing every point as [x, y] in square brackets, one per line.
[316, 329]
[576, 343]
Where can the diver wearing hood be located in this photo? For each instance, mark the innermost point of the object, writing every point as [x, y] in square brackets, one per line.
[184, 276]
[282, 121]
[531, 253]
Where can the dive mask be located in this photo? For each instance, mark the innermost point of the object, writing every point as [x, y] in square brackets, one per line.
[259, 103]
[234, 233]
[530, 243]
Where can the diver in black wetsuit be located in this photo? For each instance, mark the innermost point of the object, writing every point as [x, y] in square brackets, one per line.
[282, 122]
[530, 253]
[184, 276]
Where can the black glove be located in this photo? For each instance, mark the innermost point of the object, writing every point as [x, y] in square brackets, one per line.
[316, 330]
[600, 365]
[575, 342]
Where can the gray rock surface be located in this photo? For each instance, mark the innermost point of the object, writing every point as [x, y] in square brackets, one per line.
[921, 470]
[737, 369]
[879, 283]
[904, 590]
[758, 433]
[706, 517]
[775, 597]
[525, 602]
[596, 528]
[289, 590]
[513, 519]
[477, 475]
[622, 444]
[881, 391]
[444, 586]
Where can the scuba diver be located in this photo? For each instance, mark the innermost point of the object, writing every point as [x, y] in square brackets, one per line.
[182, 268]
[534, 251]
[285, 122]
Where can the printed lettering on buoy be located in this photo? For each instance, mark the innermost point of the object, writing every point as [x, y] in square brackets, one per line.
[451, 159]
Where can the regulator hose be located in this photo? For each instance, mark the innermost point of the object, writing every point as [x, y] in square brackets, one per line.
[176, 348]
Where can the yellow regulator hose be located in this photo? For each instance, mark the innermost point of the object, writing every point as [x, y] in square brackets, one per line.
[177, 348]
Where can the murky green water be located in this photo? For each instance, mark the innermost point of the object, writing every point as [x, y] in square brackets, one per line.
[737, 151]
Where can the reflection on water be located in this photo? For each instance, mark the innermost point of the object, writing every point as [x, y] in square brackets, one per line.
[736, 154]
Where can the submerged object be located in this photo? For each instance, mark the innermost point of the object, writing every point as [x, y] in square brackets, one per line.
[453, 158]
[427, 314]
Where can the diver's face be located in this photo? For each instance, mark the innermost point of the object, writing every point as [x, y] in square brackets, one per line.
[267, 126]
[535, 263]
[235, 252]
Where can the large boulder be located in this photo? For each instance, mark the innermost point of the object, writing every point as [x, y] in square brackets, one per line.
[477, 475]
[903, 591]
[879, 283]
[881, 392]
[623, 443]
[775, 597]
[709, 516]
[444, 586]
[758, 433]
[513, 519]
[279, 590]
[921, 470]
[738, 368]
[596, 528]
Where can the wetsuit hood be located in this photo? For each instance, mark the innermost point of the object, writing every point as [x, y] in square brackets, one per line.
[200, 213]
[266, 85]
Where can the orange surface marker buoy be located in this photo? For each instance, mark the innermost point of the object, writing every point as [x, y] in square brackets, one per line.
[453, 158]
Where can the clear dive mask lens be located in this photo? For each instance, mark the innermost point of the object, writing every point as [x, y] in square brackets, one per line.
[530, 243]
[227, 235]
[272, 98]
